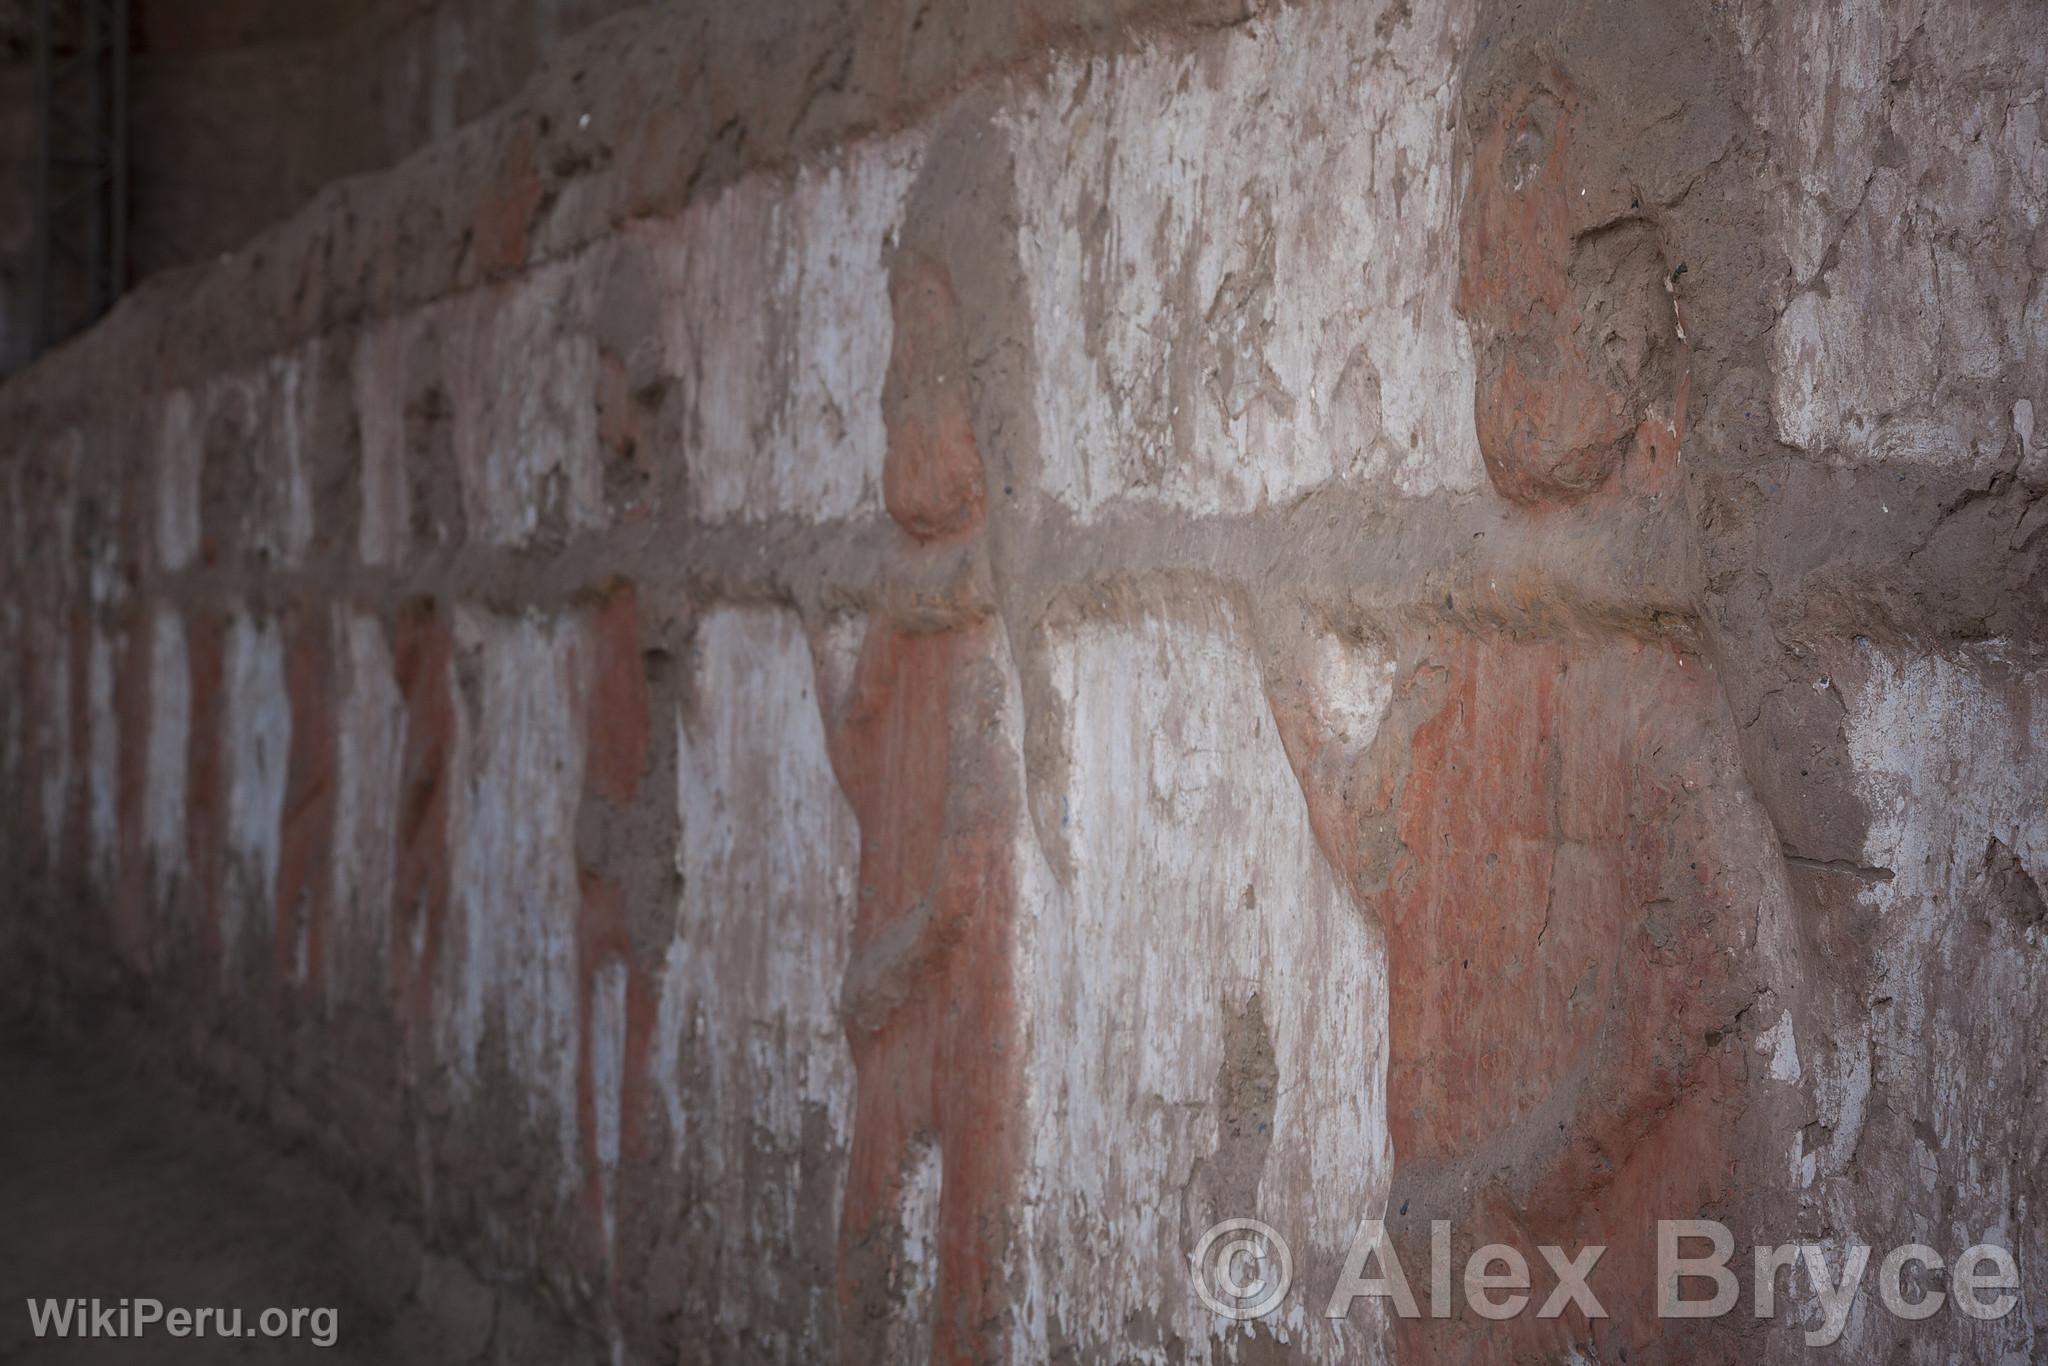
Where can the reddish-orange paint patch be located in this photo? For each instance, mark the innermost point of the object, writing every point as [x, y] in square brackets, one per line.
[617, 731]
[617, 723]
[75, 834]
[931, 477]
[423, 659]
[932, 1016]
[206, 792]
[306, 845]
[1557, 941]
[1552, 425]
[505, 215]
[132, 686]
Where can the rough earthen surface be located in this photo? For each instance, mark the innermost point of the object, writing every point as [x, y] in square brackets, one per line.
[822, 696]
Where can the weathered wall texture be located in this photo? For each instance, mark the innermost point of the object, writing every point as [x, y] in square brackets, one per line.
[829, 692]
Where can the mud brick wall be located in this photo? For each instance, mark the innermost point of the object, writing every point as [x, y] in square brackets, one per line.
[827, 687]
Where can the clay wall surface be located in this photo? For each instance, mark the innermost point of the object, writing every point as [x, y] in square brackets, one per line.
[834, 680]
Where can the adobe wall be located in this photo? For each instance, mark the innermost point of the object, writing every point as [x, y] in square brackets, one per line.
[829, 693]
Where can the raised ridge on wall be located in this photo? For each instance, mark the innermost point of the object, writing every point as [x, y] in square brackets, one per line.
[826, 706]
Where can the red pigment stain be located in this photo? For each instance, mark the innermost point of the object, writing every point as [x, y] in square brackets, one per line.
[306, 844]
[132, 685]
[931, 476]
[618, 728]
[617, 722]
[1480, 820]
[1538, 1005]
[206, 794]
[75, 834]
[1550, 429]
[506, 211]
[933, 1032]
[423, 661]
[34, 712]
